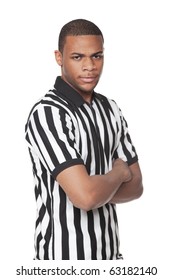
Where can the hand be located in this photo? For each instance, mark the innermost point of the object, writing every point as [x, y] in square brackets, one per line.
[122, 167]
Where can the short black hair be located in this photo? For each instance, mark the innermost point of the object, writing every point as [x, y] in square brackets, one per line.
[77, 27]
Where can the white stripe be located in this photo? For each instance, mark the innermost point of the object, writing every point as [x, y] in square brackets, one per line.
[86, 237]
[121, 153]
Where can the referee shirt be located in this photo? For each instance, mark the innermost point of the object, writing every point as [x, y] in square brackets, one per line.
[63, 130]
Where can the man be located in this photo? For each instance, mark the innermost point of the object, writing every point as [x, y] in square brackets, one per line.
[84, 162]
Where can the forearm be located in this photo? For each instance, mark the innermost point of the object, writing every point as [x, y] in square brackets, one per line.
[103, 188]
[128, 191]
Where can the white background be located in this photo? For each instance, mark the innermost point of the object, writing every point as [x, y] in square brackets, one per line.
[138, 74]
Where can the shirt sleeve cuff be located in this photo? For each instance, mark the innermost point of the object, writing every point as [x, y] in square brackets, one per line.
[65, 165]
[132, 160]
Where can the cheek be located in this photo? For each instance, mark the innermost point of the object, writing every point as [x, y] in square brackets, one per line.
[100, 66]
[71, 69]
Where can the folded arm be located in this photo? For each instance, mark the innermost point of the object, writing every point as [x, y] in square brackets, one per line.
[132, 189]
[89, 192]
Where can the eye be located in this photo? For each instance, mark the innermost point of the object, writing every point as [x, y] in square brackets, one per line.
[98, 56]
[76, 57]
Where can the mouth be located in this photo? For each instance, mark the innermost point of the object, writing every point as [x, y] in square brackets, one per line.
[88, 79]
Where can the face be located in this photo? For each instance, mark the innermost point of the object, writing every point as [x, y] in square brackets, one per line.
[81, 63]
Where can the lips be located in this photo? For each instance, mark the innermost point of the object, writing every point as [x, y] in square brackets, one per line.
[88, 79]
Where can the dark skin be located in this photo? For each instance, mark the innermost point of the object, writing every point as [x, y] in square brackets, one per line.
[81, 65]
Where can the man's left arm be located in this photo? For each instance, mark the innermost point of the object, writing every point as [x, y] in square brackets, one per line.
[132, 189]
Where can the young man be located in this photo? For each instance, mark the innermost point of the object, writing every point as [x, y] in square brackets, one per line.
[84, 162]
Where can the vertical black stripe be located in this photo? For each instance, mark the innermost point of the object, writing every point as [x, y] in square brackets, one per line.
[108, 111]
[106, 135]
[38, 186]
[100, 146]
[63, 221]
[103, 225]
[79, 234]
[48, 233]
[93, 141]
[52, 185]
[118, 255]
[39, 238]
[92, 235]
[110, 232]
[88, 160]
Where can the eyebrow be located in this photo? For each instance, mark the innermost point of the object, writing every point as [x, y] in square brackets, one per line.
[81, 54]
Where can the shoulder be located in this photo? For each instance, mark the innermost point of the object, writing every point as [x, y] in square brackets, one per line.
[51, 109]
[49, 104]
[51, 100]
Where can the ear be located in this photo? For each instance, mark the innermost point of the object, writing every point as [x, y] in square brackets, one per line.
[58, 57]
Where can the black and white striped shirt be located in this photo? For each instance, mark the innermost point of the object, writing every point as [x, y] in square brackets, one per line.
[63, 130]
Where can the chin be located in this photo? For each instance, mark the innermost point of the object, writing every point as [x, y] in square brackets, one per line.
[88, 88]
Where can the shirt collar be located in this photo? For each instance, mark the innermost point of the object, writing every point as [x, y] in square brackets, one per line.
[71, 94]
[68, 92]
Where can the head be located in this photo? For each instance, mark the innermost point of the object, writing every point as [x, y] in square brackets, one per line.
[80, 55]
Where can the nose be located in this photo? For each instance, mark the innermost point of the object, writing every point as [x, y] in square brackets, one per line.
[88, 64]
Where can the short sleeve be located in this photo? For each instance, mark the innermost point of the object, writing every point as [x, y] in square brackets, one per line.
[50, 135]
[125, 148]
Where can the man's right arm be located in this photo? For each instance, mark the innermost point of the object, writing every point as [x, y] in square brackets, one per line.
[89, 192]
